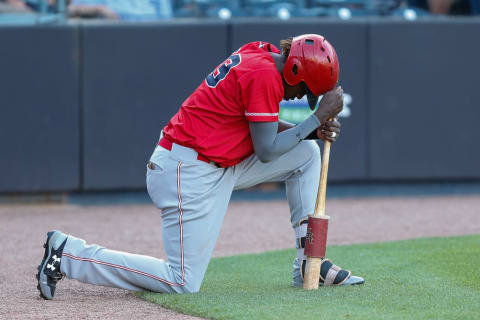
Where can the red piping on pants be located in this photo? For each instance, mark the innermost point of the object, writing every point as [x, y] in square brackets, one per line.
[173, 284]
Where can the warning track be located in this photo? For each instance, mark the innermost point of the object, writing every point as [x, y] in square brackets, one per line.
[248, 227]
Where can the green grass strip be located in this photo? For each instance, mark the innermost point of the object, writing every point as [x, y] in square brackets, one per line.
[433, 278]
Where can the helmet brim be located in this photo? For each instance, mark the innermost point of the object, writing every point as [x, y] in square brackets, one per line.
[312, 99]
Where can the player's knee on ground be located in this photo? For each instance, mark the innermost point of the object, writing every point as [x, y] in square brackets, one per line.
[187, 287]
[193, 282]
[190, 287]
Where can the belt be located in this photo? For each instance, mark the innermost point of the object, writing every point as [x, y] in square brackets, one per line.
[167, 144]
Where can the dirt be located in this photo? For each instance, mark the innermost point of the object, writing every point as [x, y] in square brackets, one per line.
[248, 227]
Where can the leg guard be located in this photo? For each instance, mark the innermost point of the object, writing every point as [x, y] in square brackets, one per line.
[315, 243]
[316, 238]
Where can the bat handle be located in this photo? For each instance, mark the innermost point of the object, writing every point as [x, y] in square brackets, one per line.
[312, 267]
[322, 188]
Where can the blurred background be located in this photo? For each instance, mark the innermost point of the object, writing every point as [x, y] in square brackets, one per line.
[151, 10]
[87, 85]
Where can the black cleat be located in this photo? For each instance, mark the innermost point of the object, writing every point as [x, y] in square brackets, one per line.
[333, 275]
[49, 269]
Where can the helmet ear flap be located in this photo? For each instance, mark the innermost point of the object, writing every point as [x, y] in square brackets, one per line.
[295, 69]
[292, 71]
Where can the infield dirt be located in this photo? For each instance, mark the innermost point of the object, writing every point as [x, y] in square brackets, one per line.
[248, 227]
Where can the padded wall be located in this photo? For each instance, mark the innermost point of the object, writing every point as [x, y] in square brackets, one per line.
[424, 89]
[135, 77]
[39, 122]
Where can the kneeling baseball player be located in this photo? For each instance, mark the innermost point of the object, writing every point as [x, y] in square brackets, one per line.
[225, 136]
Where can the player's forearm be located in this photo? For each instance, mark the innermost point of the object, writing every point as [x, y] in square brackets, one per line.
[18, 5]
[91, 11]
[269, 145]
[284, 125]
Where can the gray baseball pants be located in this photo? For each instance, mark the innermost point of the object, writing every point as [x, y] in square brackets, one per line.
[193, 197]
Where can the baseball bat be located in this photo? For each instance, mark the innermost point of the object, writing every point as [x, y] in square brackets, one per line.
[312, 267]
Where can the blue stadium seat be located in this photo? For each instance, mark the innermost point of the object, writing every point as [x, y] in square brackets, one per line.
[208, 8]
[475, 5]
[283, 9]
[346, 9]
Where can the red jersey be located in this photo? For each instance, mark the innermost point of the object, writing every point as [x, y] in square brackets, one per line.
[214, 119]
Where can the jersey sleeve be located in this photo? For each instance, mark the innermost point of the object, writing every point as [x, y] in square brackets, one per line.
[261, 92]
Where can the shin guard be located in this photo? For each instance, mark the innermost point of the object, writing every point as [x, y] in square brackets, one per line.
[316, 238]
[315, 244]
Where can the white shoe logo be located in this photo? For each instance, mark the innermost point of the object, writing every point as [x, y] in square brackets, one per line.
[55, 260]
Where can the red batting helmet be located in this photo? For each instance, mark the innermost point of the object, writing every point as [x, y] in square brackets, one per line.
[312, 59]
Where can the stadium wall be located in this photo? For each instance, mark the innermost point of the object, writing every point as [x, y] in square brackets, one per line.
[40, 109]
[83, 105]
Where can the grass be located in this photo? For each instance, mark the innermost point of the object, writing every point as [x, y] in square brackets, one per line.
[433, 278]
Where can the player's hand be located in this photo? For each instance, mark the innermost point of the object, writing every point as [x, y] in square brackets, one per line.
[330, 105]
[329, 130]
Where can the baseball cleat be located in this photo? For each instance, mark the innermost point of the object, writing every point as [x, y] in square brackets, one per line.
[49, 269]
[333, 275]
[353, 280]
